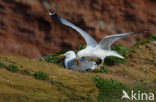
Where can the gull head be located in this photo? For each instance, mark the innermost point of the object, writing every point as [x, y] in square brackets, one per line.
[70, 54]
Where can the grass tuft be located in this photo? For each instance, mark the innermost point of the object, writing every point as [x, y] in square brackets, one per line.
[13, 68]
[26, 71]
[109, 90]
[100, 71]
[81, 47]
[122, 50]
[112, 60]
[146, 40]
[41, 75]
[54, 58]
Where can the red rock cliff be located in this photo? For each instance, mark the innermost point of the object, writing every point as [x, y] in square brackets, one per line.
[26, 29]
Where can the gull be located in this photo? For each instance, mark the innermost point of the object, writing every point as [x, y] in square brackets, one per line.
[70, 62]
[94, 49]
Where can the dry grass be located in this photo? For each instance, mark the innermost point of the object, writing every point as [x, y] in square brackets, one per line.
[69, 85]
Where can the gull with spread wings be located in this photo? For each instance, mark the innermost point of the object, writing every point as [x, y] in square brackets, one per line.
[94, 49]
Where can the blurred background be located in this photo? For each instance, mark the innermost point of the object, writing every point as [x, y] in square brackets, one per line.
[26, 29]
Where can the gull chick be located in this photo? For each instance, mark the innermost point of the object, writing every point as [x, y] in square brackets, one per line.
[94, 49]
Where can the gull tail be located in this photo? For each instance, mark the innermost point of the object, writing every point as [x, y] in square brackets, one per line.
[117, 55]
[114, 53]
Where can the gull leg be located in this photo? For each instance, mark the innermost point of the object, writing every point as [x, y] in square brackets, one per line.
[100, 65]
[77, 61]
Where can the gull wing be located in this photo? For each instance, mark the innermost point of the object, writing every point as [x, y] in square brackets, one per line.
[84, 65]
[89, 40]
[107, 41]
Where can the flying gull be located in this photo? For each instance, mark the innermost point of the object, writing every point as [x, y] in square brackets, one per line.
[70, 62]
[94, 49]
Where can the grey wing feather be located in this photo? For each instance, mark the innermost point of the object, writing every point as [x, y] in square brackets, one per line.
[107, 41]
[84, 65]
[70, 64]
[89, 40]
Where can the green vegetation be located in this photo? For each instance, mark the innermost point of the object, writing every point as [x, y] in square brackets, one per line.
[109, 90]
[100, 71]
[52, 81]
[41, 75]
[2, 65]
[54, 58]
[112, 60]
[26, 71]
[13, 68]
[146, 40]
[144, 87]
[81, 47]
[122, 50]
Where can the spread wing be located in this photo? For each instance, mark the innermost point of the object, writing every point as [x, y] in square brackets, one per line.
[107, 41]
[89, 40]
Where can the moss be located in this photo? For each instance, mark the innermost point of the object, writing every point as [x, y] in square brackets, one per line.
[13, 68]
[112, 60]
[109, 90]
[146, 40]
[41, 75]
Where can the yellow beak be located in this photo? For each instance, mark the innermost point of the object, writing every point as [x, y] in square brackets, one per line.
[62, 55]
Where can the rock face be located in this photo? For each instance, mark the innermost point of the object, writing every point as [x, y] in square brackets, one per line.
[65, 85]
[26, 28]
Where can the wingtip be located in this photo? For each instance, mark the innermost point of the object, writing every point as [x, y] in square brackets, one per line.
[51, 13]
[54, 15]
[146, 31]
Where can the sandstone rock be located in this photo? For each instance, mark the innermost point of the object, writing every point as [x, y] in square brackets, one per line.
[26, 28]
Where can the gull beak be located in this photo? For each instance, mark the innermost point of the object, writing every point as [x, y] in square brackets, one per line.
[62, 55]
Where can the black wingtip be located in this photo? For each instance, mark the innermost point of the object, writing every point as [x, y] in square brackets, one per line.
[146, 31]
[54, 15]
[51, 13]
